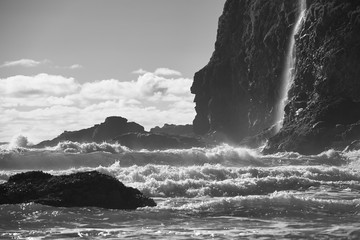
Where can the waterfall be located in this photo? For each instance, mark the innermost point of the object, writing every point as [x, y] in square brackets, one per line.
[288, 74]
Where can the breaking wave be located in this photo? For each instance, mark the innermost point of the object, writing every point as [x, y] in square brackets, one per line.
[74, 155]
[276, 204]
[75, 147]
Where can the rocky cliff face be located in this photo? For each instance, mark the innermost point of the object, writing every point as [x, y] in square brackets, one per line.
[238, 91]
[324, 100]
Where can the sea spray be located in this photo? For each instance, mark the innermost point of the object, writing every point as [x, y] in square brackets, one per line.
[18, 141]
[288, 74]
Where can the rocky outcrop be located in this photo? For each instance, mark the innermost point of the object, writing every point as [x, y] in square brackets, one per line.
[106, 131]
[324, 101]
[238, 91]
[156, 141]
[83, 189]
[172, 129]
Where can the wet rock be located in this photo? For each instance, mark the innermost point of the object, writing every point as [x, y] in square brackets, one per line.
[238, 91]
[354, 146]
[155, 141]
[327, 78]
[83, 189]
[172, 129]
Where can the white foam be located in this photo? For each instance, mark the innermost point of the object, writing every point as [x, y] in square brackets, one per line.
[278, 203]
[75, 147]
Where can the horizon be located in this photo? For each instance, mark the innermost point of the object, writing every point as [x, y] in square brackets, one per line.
[68, 65]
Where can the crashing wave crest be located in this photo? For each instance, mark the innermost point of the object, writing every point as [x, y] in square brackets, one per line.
[75, 147]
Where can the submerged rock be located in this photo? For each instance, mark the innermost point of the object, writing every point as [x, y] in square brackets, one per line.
[83, 189]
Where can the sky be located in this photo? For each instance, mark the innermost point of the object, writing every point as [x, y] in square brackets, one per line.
[67, 65]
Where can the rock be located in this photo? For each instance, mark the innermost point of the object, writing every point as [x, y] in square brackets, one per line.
[172, 129]
[238, 91]
[155, 141]
[83, 189]
[354, 146]
[327, 79]
[259, 140]
[106, 131]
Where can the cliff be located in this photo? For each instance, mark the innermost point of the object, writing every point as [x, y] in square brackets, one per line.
[324, 101]
[238, 91]
[106, 131]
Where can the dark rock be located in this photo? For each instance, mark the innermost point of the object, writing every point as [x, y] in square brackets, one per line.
[106, 131]
[238, 91]
[354, 146]
[258, 140]
[85, 189]
[327, 78]
[155, 141]
[172, 129]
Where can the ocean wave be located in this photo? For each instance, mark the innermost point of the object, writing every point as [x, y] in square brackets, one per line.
[74, 155]
[216, 180]
[70, 154]
[276, 204]
[330, 157]
[75, 147]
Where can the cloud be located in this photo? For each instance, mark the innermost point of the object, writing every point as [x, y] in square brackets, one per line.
[36, 91]
[43, 106]
[71, 67]
[166, 72]
[33, 63]
[139, 71]
[41, 84]
[159, 72]
[75, 66]
[24, 63]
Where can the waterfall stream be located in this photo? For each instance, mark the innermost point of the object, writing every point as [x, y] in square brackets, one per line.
[288, 74]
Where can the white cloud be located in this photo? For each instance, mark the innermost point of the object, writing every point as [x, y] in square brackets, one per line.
[41, 84]
[23, 63]
[33, 63]
[166, 72]
[159, 72]
[139, 71]
[37, 91]
[71, 67]
[43, 106]
[75, 66]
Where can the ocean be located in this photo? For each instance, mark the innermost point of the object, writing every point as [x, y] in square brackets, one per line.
[223, 192]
